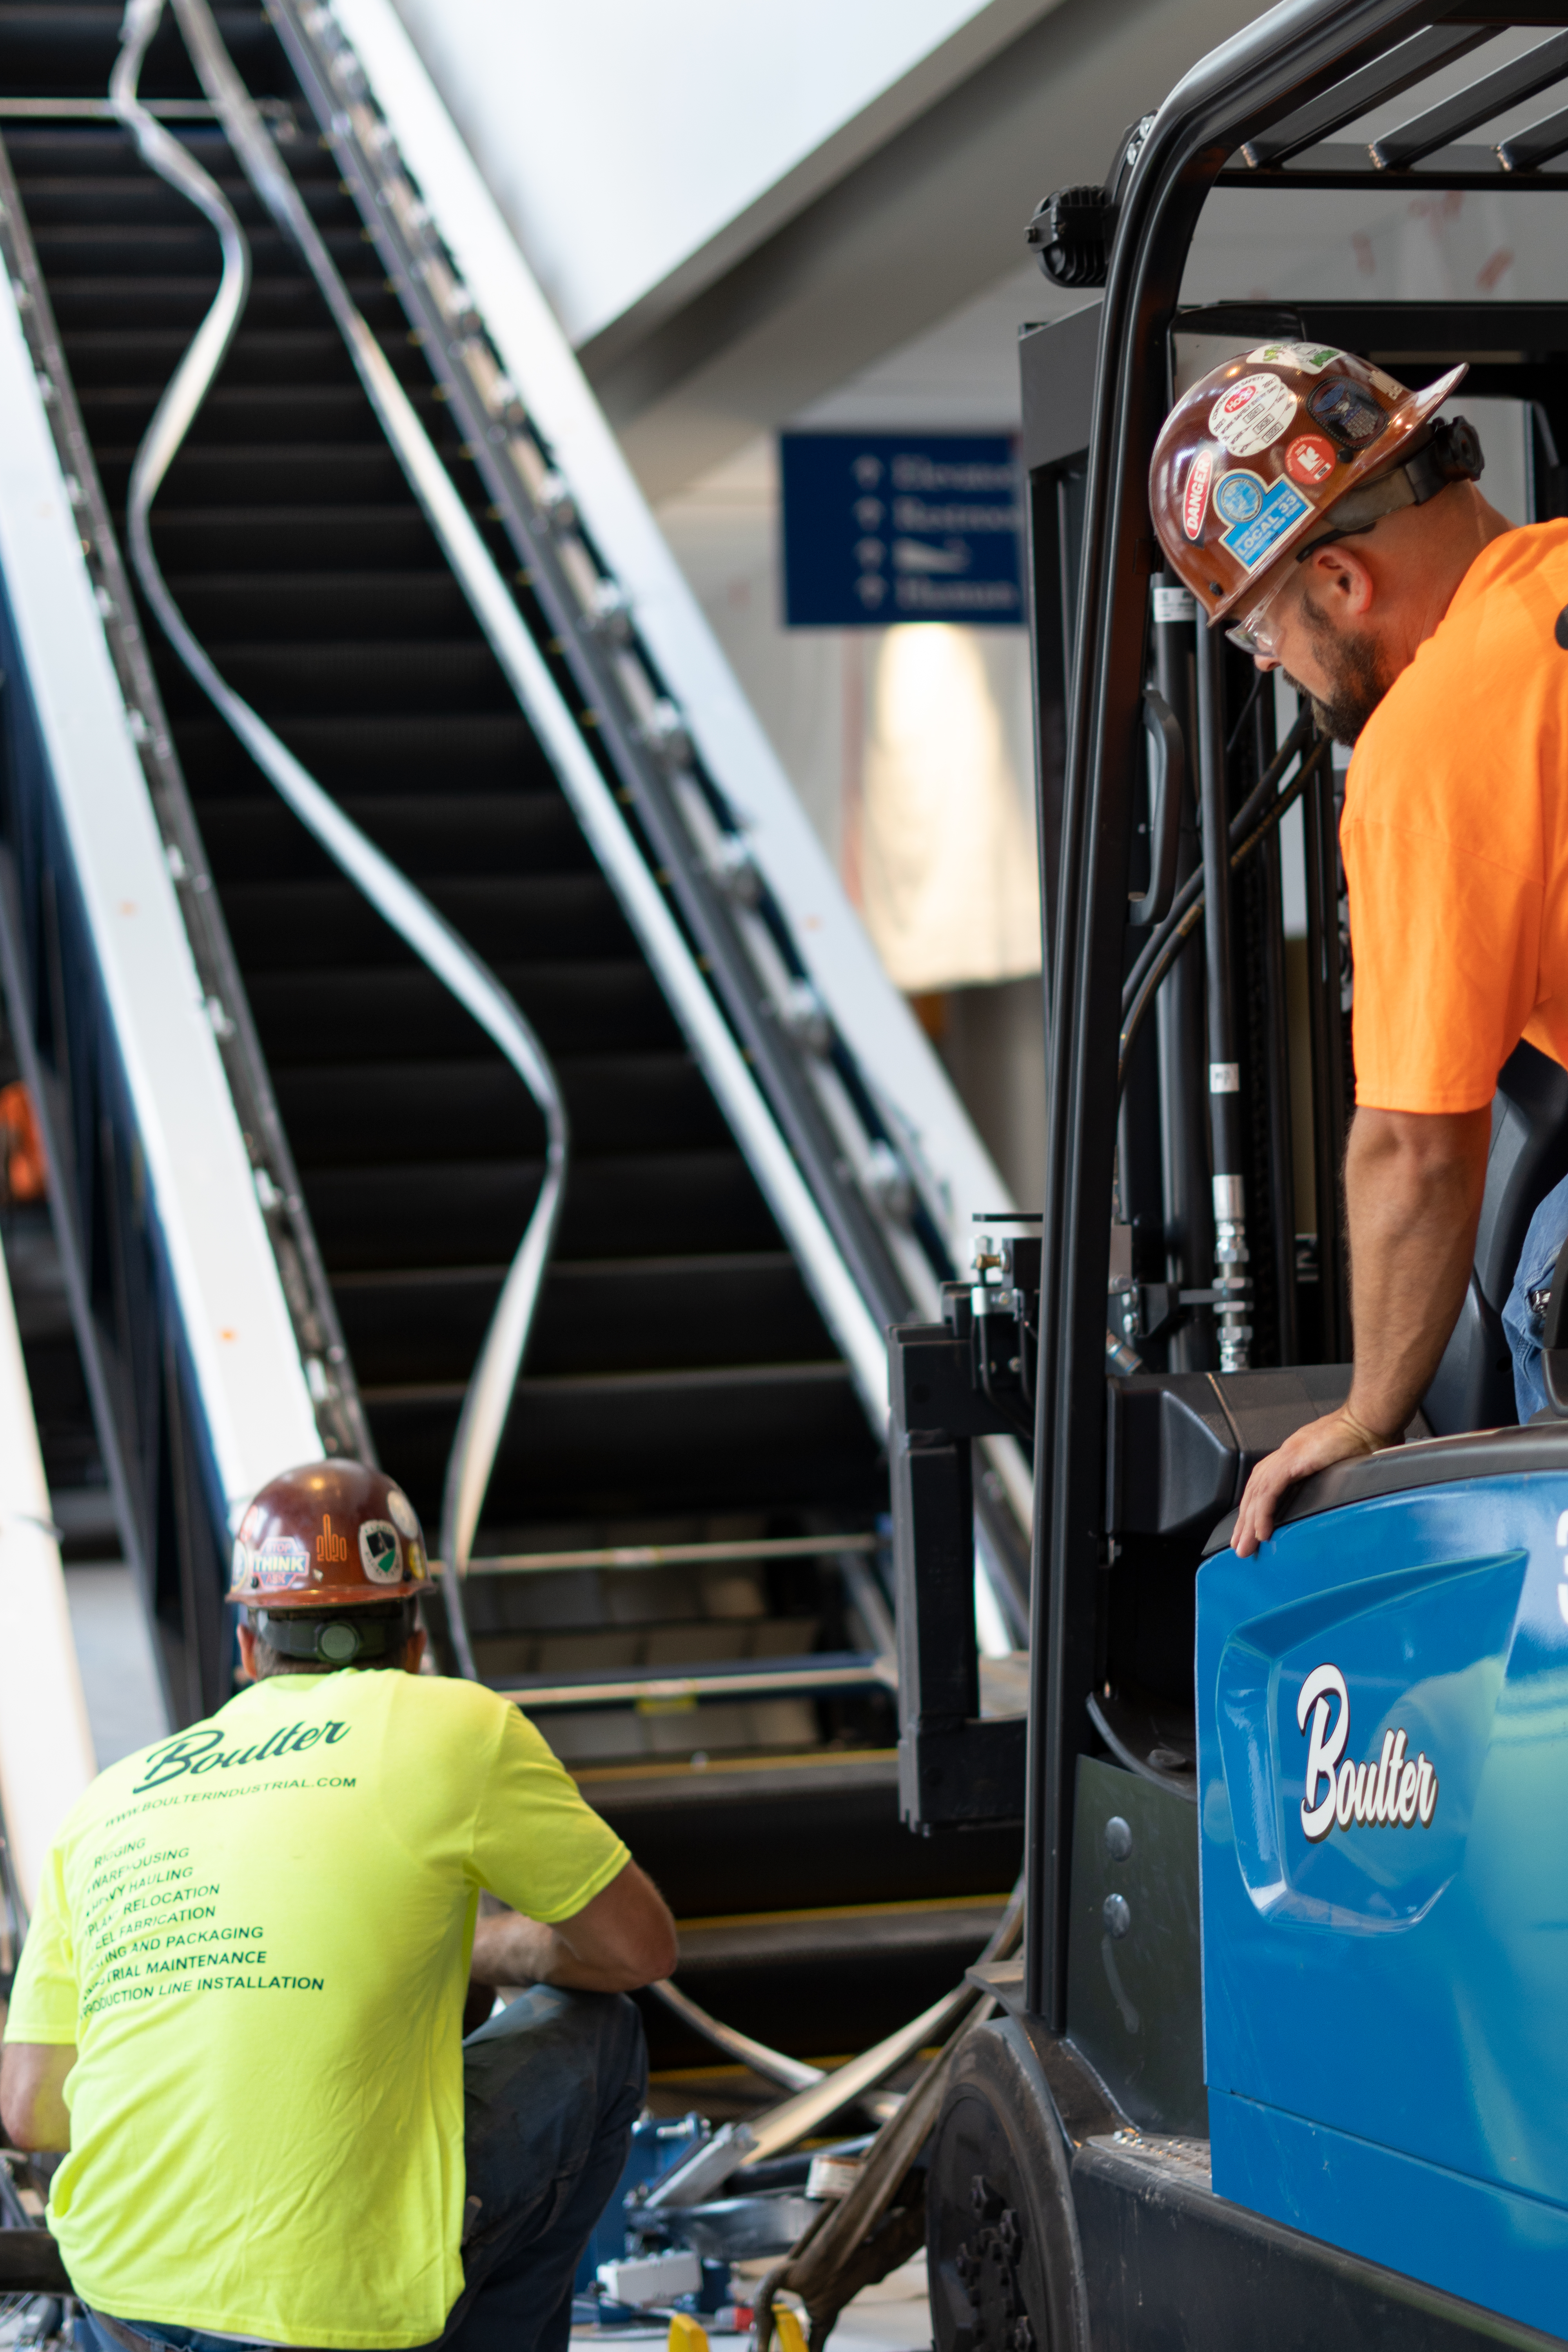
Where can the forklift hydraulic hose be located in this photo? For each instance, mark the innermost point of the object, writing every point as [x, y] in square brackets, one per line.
[1297, 740]
[1254, 821]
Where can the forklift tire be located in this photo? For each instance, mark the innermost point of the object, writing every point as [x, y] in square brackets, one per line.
[1002, 2247]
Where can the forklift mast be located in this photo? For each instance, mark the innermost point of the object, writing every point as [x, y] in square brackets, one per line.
[1155, 2146]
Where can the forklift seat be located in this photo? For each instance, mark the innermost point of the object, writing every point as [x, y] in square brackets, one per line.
[1473, 1387]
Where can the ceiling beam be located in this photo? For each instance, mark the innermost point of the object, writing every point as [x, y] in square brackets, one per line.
[904, 237]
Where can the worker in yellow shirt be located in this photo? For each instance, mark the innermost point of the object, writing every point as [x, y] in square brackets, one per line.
[239, 2004]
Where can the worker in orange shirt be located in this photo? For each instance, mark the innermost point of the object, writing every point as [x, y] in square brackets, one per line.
[1318, 507]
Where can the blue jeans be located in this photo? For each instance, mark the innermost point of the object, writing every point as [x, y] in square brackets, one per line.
[550, 2090]
[1543, 1243]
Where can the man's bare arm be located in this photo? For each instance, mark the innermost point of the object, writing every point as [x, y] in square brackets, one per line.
[33, 2110]
[624, 1938]
[1414, 1182]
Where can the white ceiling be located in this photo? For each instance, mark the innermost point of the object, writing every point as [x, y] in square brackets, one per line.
[620, 138]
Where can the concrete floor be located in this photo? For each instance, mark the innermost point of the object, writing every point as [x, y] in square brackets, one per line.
[894, 2316]
[114, 1650]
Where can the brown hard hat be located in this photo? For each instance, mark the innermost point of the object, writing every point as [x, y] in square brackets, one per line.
[1254, 453]
[331, 1535]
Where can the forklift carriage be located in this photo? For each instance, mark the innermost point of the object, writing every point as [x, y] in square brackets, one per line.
[1263, 2074]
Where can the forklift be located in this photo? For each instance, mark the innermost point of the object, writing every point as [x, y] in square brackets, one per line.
[1248, 2084]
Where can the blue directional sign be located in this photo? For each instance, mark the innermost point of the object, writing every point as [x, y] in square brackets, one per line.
[887, 527]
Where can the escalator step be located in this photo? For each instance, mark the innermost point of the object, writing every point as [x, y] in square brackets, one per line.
[672, 1203]
[722, 1438]
[638, 1315]
[382, 1014]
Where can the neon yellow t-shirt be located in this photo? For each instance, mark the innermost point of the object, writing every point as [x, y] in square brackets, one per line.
[258, 1935]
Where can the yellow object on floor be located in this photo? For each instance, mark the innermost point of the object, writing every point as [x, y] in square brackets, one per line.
[789, 2332]
[686, 2334]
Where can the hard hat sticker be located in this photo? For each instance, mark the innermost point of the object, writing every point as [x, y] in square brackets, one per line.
[379, 1552]
[1311, 359]
[1253, 543]
[1195, 497]
[1252, 414]
[1347, 412]
[402, 1513]
[1310, 458]
[280, 1564]
[1239, 497]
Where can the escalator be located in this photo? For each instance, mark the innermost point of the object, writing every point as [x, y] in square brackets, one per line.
[681, 1564]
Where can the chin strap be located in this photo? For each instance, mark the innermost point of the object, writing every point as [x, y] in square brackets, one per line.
[1447, 453]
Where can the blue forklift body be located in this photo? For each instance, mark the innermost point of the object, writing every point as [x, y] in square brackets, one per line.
[1382, 1700]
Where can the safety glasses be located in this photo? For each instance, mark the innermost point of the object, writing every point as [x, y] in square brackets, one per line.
[1258, 633]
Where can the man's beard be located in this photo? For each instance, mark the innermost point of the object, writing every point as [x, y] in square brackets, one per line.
[1360, 677]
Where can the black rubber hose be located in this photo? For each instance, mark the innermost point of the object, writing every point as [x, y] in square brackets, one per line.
[1240, 825]
[1249, 827]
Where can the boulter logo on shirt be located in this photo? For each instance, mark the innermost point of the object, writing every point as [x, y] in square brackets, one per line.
[205, 1750]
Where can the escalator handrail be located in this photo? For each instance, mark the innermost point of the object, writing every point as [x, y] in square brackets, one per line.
[492, 1385]
[849, 1317]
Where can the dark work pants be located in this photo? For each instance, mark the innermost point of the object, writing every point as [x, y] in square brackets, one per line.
[551, 2088]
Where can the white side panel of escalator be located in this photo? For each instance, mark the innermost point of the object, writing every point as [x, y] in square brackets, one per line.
[242, 1343]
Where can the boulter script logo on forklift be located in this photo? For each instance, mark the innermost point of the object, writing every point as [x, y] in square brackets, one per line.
[1396, 1792]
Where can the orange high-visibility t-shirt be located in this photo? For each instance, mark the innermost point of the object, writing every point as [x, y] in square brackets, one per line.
[1455, 840]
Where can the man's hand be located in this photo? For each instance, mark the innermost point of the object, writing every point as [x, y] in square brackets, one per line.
[1337, 1437]
[622, 1938]
[1414, 1182]
[32, 2111]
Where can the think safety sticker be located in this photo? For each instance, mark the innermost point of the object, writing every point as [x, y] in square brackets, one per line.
[281, 1564]
[1252, 543]
[402, 1511]
[1252, 414]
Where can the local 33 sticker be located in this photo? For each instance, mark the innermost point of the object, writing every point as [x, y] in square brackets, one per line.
[1252, 414]
[1239, 497]
[1195, 497]
[1253, 543]
[1310, 458]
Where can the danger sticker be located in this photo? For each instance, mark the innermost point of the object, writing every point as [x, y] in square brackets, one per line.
[1195, 497]
[1311, 358]
[1252, 414]
[1310, 458]
[1253, 543]
[1239, 496]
